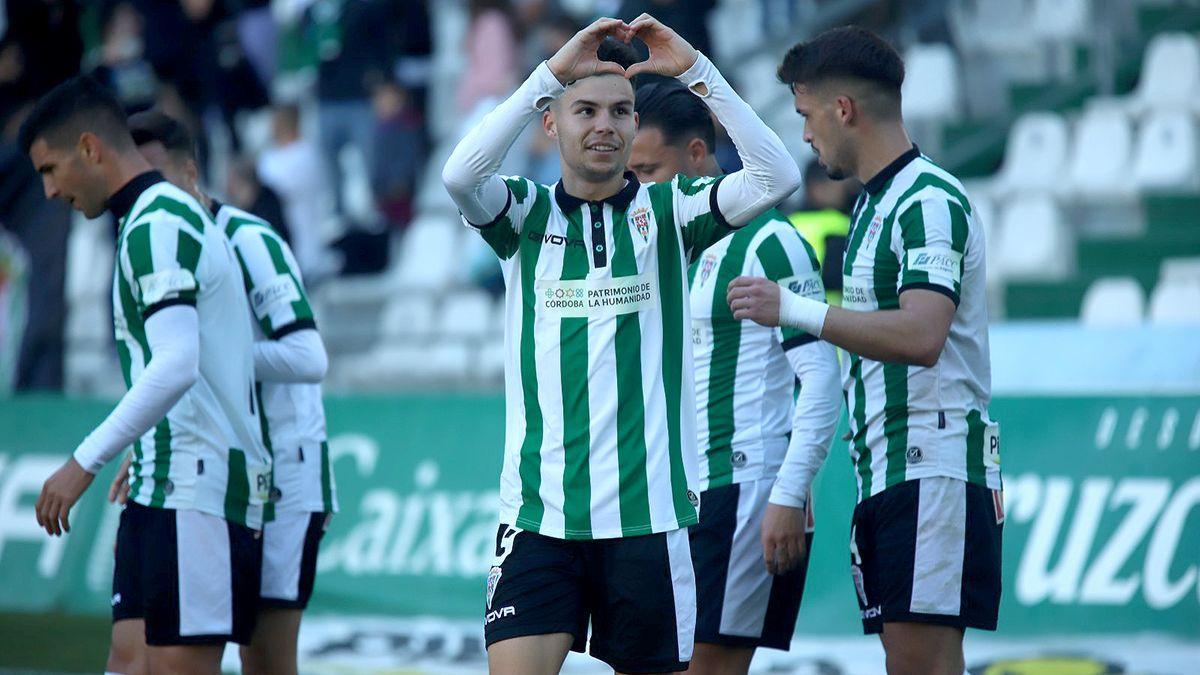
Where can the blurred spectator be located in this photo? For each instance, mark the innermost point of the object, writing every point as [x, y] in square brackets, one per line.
[824, 220]
[259, 38]
[413, 36]
[41, 47]
[492, 58]
[293, 169]
[689, 19]
[354, 52]
[41, 227]
[399, 153]
[122, 65]
[248, 193]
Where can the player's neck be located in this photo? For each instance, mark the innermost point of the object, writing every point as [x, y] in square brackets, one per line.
[124, 167]
[590, 190]
[880, 148]
[711, 168]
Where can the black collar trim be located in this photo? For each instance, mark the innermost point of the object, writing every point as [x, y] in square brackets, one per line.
[215, 206]
[123, 200]
[889, 172]
[620, 201]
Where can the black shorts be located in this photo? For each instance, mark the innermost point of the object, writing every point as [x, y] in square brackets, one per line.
[193, 577]
[638, 592]
[738, 603]
[289, 568]
[928, 551]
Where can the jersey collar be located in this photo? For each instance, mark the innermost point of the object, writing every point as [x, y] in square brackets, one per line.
[123, 200]
[889, 172]
[620, 201]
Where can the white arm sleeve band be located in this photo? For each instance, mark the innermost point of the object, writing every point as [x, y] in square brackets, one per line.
[797, 311]
[296, 357]
[813, 424]
[769, 173]
[470, 172]
[173, 334]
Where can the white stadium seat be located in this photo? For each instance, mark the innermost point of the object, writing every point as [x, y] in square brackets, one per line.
[491, 360]
[467, 314]
[1100, 155]
[1166, 154]
[1035, 156]
[408, 317]
[931, 83]
[1170, 75]
[1175, 302]
[1113, 301]
[1180, 269]
[1061, 20]
[1035, 243]
[430, 253]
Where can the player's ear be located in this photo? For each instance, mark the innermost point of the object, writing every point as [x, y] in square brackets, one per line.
[697, 150]
[89, 147]
[548, 123]
[845, 109]
[191, 171]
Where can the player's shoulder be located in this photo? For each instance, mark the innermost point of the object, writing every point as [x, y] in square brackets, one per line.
[164, 203]
[241, 225]
[523, 189]
[925, 181]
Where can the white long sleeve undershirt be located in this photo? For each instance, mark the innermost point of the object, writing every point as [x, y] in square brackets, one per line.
[173, 334]
[297, 357]
[813, 424]
[768, 176]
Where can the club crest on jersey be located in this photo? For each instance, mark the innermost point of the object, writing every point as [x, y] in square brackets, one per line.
[641, 220]
[492, 580]
[706, 266]
[873, 228]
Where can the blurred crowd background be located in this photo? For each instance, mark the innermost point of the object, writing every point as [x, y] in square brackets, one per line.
[1074, 123]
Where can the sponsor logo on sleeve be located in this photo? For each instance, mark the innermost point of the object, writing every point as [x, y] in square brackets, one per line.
[159, 286]
[281, 290]
[807, 285]
[942, 263]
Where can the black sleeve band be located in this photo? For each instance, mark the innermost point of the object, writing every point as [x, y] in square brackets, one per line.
[799, 341]
[716, 210]
[926, 286]
[163, 304]
[503, 212]
[299, 324]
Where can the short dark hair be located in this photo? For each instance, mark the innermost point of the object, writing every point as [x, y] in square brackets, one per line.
[77, 105]
[618, 52]
[675, 111]
[154, 125]
[848, 52]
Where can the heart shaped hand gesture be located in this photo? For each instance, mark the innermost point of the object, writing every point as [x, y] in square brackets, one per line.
[577, 59]
[670, 54]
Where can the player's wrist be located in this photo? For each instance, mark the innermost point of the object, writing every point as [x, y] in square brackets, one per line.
[796, 311]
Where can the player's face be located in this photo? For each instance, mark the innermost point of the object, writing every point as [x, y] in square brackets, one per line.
[656, 161]
[594, 124]
[71, 175]
[822, 131]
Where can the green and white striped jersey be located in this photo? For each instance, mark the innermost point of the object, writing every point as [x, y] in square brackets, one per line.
[208, 453]
[913, 227]
[744, 383]
[293, 412]
[601, 437]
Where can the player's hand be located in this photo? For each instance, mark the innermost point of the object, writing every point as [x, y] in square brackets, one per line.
[59, 493]
[670, 54]
[118, 492]
[754, 298]
[784, 545]
[577, 59]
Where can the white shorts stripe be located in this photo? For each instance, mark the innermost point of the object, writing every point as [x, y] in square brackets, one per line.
[683, 585]
[941, 539]
[747, 583]
[283, 552]
[205, 577]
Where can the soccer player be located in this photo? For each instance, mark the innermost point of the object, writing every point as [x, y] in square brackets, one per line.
[925, 544]
[289, 363]
[750, 549]
[188, 549]
[599, 477]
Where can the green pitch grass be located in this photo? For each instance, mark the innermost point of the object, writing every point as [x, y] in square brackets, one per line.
[55, 643]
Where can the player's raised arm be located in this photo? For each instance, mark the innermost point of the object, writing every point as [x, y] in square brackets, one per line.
[769, 173]
[470, 173]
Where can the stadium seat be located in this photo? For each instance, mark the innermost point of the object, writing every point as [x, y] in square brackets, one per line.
[931, 83]
[1165, 157]
[449, 361]
[469, 314]
[1175, 302]
[89, 258]
[1113, 301]
[1061, 20]
[1035, 243]
[1170, 75]
[429, 253]
[1180, 269]
[985, 215]
[1035, 156]
[1100, 153]
[408, 317]
[491, 361]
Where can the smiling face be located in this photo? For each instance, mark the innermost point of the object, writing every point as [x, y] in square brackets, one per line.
[825, 129]
[594, 125]
[72, 174]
